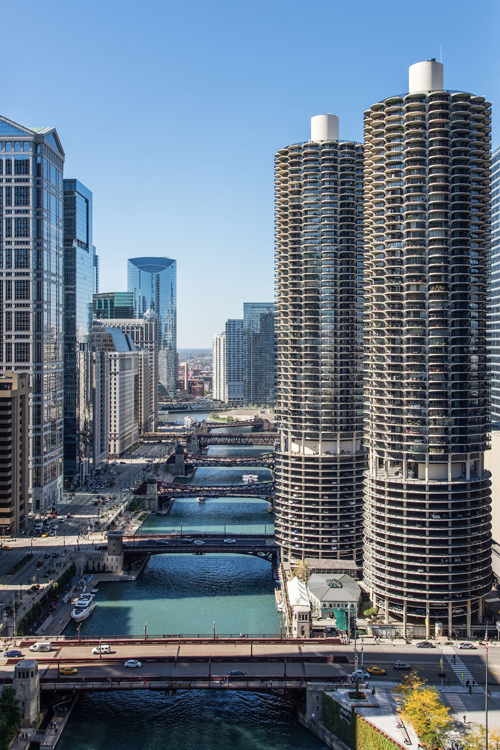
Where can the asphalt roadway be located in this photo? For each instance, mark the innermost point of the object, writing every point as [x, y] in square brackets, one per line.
[169, 658]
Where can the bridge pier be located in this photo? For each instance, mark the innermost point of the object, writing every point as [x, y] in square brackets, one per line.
[193, 444]
[274, 565]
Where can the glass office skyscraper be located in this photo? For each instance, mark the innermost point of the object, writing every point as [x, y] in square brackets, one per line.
[31, 268]
[153, 282]
[79, 284]
[259, 354]
[111, 305]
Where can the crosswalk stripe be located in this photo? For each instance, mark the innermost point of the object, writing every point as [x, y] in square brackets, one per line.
[459, 668]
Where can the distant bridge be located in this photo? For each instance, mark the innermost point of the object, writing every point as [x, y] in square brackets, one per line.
[206, 439]
[196, 459]
[257, 545]
[167, 490]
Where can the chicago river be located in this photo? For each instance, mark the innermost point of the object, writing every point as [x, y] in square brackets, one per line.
[187, 594]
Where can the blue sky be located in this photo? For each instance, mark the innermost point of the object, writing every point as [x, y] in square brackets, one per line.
[170, 112]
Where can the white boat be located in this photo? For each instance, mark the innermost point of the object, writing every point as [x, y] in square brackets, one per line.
[201, 499]
[250, 478]
[83, 608]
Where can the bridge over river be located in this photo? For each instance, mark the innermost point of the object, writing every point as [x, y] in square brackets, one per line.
[136, 547]
[264, 459]
[169, 490]
[196, 442]
[181, 663]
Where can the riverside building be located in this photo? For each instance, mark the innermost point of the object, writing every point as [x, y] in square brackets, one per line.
[259, 354]
[427, 502]
[219, 367]
[31, 284]
[320, 459]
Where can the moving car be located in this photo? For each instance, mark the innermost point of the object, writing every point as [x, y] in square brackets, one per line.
[236, 672]
[104, 648]
[68, 670]
[425, 644]
[12, 653]
[401, 665]
[41, 646]
[375, 670]
[198, 541]
[360, 674]
[132, 663]
[229, 541]
[467, 645]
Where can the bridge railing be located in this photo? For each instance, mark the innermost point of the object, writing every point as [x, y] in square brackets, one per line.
[175, 638]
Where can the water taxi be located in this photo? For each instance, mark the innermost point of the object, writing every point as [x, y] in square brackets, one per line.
[250, 478]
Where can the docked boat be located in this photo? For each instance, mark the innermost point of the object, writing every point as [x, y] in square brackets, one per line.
[250, 478]
[83, 608]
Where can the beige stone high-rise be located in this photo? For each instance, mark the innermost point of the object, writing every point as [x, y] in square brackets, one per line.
[320, 459]
[427, 499]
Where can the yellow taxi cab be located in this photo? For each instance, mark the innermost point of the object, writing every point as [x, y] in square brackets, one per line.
[68, 670]
[375, 670]
[44, 536]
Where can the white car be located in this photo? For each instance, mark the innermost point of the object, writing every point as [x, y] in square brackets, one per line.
[104, 648]
[229, 541]
[360, 674]
[198, 541]
[133, 663]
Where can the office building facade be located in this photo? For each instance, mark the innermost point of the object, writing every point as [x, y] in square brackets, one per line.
[153, 282]
[14, 452]
[31, 281]
[427, 501]
[319, 257]
[78, 288]
[109, 305]
[219, 367]
[144, 334]
[259, 354]
[234, 362]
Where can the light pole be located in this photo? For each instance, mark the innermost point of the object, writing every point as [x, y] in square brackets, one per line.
[486, 691]
[145, 631]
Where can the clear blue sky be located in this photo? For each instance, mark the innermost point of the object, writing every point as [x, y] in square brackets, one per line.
[170, 112]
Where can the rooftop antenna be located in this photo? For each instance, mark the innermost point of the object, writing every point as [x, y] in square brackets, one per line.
[440, 53]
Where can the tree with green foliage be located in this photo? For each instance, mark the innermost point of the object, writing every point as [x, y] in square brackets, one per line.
[10, 716]
[371, 612]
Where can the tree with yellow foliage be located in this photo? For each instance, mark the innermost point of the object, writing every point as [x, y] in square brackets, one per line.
[429, 717]
[409, 682]
[476, 737]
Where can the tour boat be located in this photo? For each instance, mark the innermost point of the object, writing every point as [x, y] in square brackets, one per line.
[250, 478]
[201, 499]
[83, 608]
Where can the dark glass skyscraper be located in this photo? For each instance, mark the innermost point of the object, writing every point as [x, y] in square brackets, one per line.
[153, 282]
[259, 354]
[112, 305]
[79, 285]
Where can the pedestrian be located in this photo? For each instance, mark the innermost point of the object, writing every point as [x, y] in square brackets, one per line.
[467, 683]
[465, 717]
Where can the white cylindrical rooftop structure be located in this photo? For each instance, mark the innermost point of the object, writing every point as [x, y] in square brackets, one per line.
[325, 128]
[426, 76]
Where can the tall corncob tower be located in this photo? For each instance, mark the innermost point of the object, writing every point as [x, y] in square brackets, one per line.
[427, 499]
[320, 460]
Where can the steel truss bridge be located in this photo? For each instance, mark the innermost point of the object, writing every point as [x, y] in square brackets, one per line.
[196, 459]
[167, 490]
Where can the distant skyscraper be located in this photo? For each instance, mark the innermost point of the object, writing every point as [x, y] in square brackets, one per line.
[79, 284]
[31, 260]
[234, 361]
[495, 290]
[259, 354]
[153, 282]
[219, 367]
[111, 305]
[427, 501]
[319, 256]
[14, 452]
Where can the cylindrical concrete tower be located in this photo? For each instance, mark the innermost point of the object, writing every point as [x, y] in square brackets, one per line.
[320, 461]
[427, 512]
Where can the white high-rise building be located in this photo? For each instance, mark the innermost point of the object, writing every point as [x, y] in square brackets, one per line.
[234, 361]
[219, 367]
[427, 500]
[319, 257]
